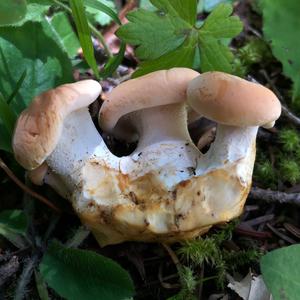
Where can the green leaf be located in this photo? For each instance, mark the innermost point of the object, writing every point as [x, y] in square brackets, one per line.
[12, 11]
[96, 4]
[80, 274]
[30, 48]
[14, 220]
[216, 56]
[115, 61]
[281, 24]
[183, 56]
[41, 286]
[281, 272]
[5, 138]
[7, 115]
[164, 37]
[64, 34]
[209, 5]
[145, 31]
[97, 16]
[185, 9]
[13, 224]
[36, 10]
[84, 33]
[219, 24]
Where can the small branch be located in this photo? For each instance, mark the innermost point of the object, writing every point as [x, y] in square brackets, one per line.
[285, 111]
[274, 196]
[281, 235]
[290, 116]
[173, 256]
[25, 188]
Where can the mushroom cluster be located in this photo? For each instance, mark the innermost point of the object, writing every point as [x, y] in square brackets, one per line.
[166, 189]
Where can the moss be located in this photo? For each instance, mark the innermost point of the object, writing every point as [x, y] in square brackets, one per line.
[289, 170]
[289, 139]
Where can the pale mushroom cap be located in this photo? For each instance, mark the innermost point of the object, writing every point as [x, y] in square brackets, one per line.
[157, 88]
[39, 126]
[230, 100]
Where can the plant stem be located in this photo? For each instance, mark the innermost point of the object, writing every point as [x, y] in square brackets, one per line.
[94, 30]
[27, 190]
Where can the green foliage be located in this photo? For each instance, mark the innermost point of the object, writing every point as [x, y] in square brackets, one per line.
[168, 37]
[209, 5]
[264, 172]
[188, 284]
[97, 16]
[80, 274]
[84, 33]
[200, 250]
[12, 11]
[114, 61]
[289, 170]
[45, 64]
[64, 34]
[36, 10]
[100, 6]
[13, 225]
[209, 251]
[41, 286]
[281, 272]
[281, 21]
[255, 51]
[290, 139]
[13, 220]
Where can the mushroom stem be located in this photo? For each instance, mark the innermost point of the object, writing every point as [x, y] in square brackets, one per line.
[79, 141]
[161, 124]
[231, 144]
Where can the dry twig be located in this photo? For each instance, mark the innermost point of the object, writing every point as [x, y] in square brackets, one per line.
[257, 193]
[25, 188]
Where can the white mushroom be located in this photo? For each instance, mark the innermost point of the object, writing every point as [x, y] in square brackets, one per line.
[166, 190]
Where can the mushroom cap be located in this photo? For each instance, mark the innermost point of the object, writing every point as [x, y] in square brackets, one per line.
[154, 89]
[39, 127]
[230, 100]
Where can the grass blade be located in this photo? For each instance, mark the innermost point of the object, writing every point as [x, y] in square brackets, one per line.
[102, 7]
[7, 115]
[18, 85]
[84, 33]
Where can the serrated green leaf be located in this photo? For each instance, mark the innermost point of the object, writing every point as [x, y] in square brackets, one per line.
[80, 274]
[183, 56]
[12, 11]
[215, 56]
[281, 28]
[145, 31]
[13, 224]
[163, 38]
[30, 48]
[185, 9]
[219, 24]
[84, 33]
[64, 34]
[97, 16]
[281, 272]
